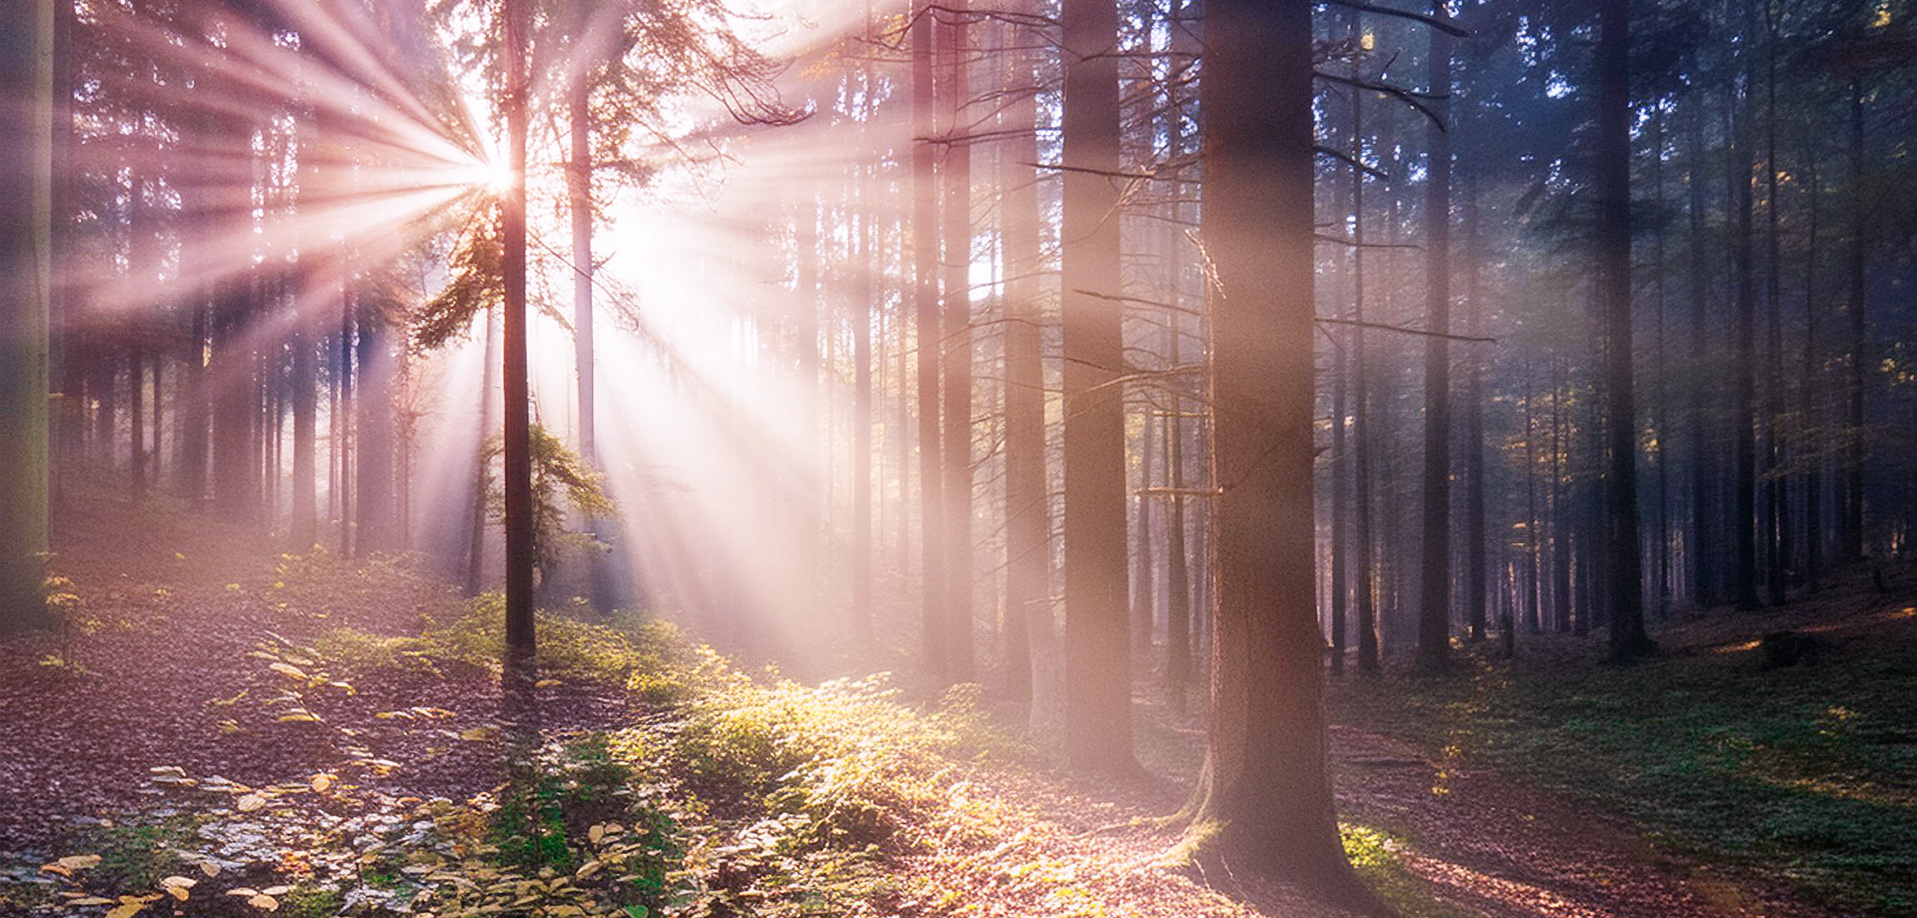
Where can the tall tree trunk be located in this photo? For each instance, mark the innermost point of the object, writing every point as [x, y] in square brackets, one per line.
[517, 35]
[1661, 550]
[1366, 573]
[1476, 567]
[1705, 539]
[1434, 595]
[1264, 797]
[1097, 651]
[1774, 460]
[482, 475]
[930, 334]
[1859, 355]
[1027, 511]
[864, 312]
[26, 241]
[1623, 564]
[1743, 416]
[1810, 389]
[377, 529]
[957, 344]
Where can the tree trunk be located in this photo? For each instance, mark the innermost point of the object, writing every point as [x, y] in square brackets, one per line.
[1264, 801]
[1434, 594]
[930, 334]
[1623, 564]
[26, 238]
[956, 360]
[1097, 652]
[518, 405]
[1859, 353]
[1365, 597]
[1027, 512]
[1743, 417]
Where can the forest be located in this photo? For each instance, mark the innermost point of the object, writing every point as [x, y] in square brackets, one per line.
[643, 457]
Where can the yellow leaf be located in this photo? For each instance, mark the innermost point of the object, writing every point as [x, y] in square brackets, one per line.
[478, 733]
[79, 861]
[276, 890]
[288, 669]
[264, 901]
[177, 880]
[251, 802]
[55, 868]
[209, 868]
[243, 891]
[321, 783]
[595, 833]
[177, 892]
[587, 869]
[127, 910]
[90, 900]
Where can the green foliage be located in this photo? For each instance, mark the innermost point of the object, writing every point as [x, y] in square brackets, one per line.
[1808, 773]
[478, 282]
[561, 479]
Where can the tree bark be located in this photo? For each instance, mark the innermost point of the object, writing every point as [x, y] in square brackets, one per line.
[26, 239]
[1097, 650]
[1434, 594]
[1264, 801]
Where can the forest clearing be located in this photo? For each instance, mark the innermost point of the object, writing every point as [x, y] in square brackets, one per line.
[1078, 458]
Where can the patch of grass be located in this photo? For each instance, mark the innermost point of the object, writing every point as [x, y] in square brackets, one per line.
[1374, 856]
[1806, 773]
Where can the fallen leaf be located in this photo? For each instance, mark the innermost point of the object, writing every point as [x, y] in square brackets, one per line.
[251, 802]
[321, 783]
[265, 902]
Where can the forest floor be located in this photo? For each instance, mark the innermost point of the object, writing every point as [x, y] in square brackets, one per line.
[232, 731]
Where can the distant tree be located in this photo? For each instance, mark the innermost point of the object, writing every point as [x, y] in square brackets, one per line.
[1434, 609]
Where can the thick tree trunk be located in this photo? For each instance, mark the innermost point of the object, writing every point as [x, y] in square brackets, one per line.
[1097, 651]
[1264, 801]
[1623, 565]
[26, 240]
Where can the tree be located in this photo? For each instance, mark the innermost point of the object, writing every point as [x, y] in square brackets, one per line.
[26, 233]
[1097, 637]
[1628, 639]
[1264, 799]
[1434, 609]
[516, 475]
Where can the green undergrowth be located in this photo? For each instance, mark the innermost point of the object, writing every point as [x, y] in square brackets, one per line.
[1807, 773]
[731, 796]
[1377, 858]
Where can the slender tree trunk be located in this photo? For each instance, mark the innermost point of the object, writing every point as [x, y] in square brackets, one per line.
[1859, 353]
[1810, 389]
[1434, 606]
[1706, 533]
[1365, 571]
[1661, 551]
[864, 311]
[1476, 566]
[957, 344]
[518, 404]
[1027, 511]
[375, 438]
[1774, 459]
[1264, 797]
[1743, 417]
[482, 476]
[930, 334]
